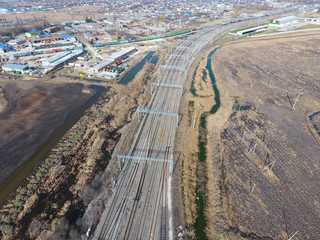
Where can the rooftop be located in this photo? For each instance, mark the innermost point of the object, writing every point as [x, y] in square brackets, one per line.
[14, 66]
[286, 18]
[121, 53]
[3, 45]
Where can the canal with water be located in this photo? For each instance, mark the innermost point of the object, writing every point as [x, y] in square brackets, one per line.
[200, 223]
[130, 75]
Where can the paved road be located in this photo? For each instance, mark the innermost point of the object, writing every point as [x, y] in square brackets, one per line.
[140, 207]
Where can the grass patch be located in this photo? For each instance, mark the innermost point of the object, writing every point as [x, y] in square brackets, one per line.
[309, 26]
[266, 32]
[225, 38]
[192, 88]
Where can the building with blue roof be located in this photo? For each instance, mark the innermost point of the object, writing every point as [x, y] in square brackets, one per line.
[4, 48]
[14, 68]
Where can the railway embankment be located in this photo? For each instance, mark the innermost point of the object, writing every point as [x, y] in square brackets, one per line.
[64, 195]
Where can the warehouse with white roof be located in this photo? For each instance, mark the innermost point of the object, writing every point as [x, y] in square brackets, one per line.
[283, 21]
[112, 58]
[60, 59]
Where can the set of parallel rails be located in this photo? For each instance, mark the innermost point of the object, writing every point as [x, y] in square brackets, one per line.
[138, 207]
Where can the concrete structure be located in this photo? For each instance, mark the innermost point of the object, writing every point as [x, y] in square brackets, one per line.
[283, 21]
[60, 59]
[33, 33]
[14, 68]
[4, 48]
[112, 35]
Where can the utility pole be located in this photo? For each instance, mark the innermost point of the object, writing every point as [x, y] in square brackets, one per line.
[300, 92]
[253, 148]
[254, 185]
[293, 235]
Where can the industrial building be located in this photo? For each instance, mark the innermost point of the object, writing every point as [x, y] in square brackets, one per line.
[33, 33]
[112, 35]
[15, 68]
[17, 43]
[111, 59]
[50, 39]
[61, 47]
[283, 21]
[117, 55]
[102, 65]
[60, 59]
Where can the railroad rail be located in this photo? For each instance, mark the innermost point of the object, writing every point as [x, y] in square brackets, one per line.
[140, 206]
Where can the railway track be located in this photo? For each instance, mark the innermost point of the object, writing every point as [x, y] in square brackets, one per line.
[139, 207]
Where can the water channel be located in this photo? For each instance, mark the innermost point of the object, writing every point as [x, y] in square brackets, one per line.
[200, 223]
[130, 75]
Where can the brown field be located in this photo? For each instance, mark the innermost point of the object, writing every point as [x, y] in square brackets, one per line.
[62, 15]
[34, 111]
[263, 165]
